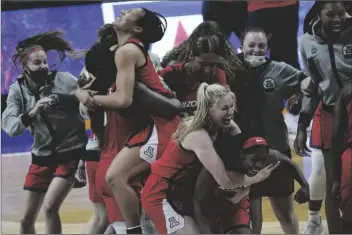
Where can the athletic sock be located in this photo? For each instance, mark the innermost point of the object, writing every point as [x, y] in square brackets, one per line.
[134, 230]
[119, 227]
[314, 216]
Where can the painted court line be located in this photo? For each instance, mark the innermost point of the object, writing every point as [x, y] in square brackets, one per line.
[69, 228]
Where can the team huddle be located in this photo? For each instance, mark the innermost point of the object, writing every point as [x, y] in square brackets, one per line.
[190, 144]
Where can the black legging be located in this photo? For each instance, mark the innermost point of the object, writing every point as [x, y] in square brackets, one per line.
[282, 23]
[231, 17]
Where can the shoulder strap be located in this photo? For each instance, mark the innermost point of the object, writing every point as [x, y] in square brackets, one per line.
[333, 65]
[139, 44]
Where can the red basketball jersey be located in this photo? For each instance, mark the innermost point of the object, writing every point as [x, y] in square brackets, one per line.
[186, 87]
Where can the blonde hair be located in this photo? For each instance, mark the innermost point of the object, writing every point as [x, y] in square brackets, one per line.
[207, 96]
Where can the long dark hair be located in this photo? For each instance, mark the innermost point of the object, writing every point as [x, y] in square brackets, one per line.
[182, 52]
[154, 26]
[100, 62]
[46, 41]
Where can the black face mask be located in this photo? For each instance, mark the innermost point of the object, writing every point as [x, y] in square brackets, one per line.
[38, 76]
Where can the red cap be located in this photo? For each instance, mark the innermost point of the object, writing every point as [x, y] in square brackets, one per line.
[254, 141]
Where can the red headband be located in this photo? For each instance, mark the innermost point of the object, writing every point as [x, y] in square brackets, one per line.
[254, 141]
[31, 51]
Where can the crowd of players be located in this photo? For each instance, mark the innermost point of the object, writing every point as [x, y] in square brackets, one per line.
[191, 144]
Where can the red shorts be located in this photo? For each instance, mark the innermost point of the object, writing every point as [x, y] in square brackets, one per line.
[103, 190]
[91, 167]
[157, 207]
[224, 216]
[43, 169]
[346, 185]
[321, 134]
[153, 140]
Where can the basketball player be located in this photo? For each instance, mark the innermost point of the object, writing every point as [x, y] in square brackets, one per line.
[116, 126]
[227, 56]
[253, 152]
[184, 78]
[260, 96]
[341, 147]
[98, 222]
[326, 55]
[43, 101]
[168, 193]
[136, 29]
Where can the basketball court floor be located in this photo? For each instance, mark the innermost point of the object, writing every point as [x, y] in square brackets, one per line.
[76, 209]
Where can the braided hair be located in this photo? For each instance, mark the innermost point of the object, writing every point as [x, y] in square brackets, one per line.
[311, 17]
[154, 26]
[107, 36]
[207, 44]
[46, 41]
[207, 28]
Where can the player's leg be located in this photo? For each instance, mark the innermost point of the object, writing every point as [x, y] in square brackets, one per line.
[317, 184]
[284, 212]
[331, 207]
[36, 184]
[256, 214]
[58, 190]
[125, 167]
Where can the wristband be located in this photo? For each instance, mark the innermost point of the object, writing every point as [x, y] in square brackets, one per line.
[26, 119]
[305, 118]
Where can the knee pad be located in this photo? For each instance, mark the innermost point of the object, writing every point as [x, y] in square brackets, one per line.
[317, 179]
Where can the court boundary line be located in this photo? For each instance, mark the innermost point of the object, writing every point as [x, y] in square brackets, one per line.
[268, 227]
[15, 154]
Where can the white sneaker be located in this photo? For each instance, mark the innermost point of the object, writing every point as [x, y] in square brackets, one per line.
[313, 228]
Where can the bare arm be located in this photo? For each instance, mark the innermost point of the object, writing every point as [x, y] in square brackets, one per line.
[339, 129]
[126, 59]
[201, 143]
[295, 170]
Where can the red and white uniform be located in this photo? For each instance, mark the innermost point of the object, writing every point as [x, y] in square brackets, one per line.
[168, 193]
[186, 87]
[133, 127]
[118, 130]
[153, 139]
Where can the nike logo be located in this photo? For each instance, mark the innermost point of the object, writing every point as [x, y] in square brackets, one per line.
[258, 141]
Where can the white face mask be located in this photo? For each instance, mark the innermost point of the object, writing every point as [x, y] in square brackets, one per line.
[254, 60]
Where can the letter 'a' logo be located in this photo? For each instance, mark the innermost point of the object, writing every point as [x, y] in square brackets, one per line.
[149, 152]
[173, 222]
